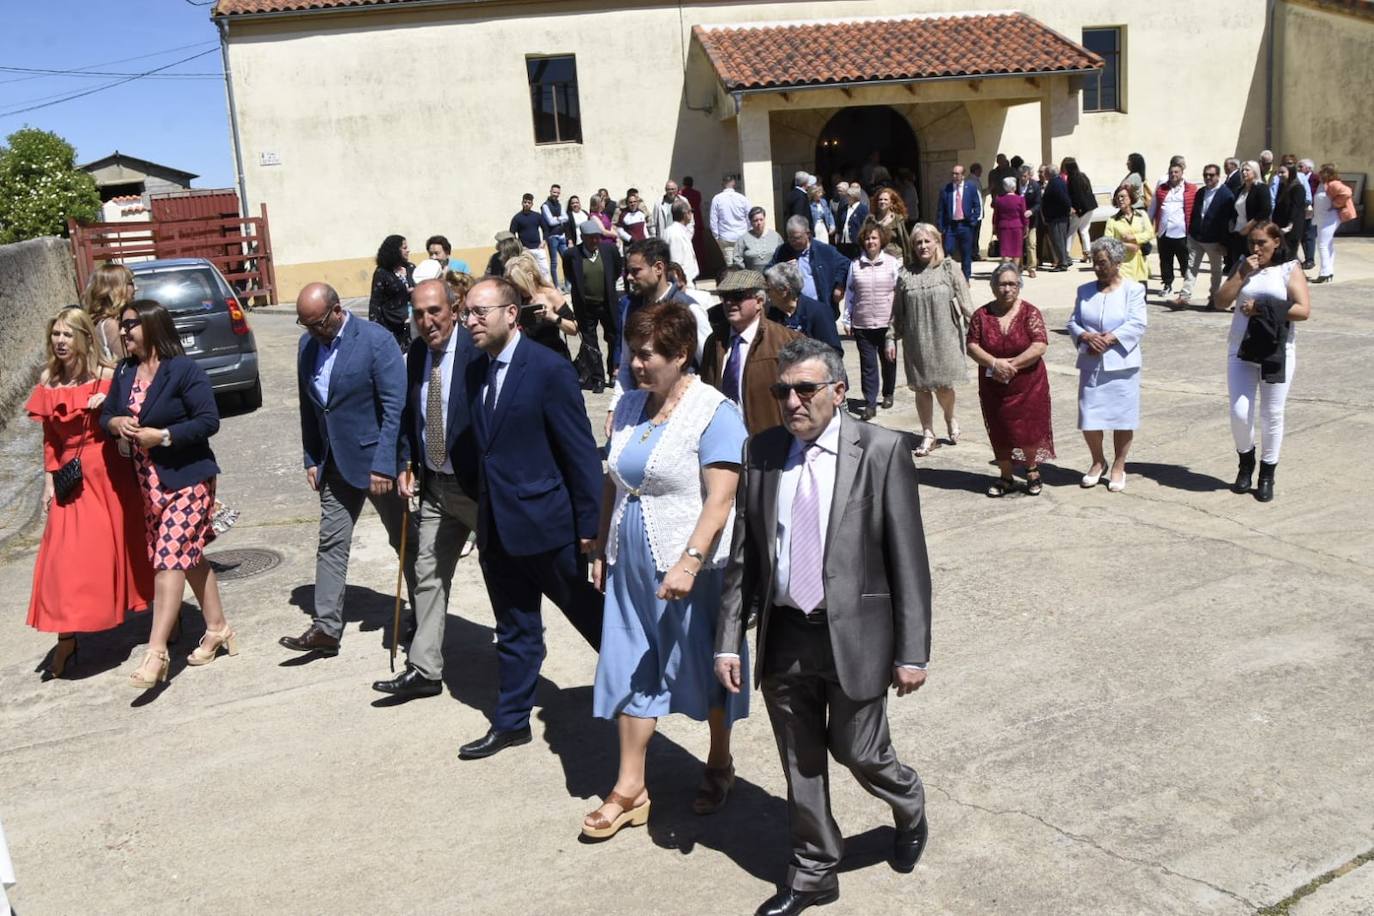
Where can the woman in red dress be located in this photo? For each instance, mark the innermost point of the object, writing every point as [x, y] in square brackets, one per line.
[1007, 339]
[86, 579]
[161, 403]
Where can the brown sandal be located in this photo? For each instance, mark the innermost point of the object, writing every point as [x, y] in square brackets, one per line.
[715, 788]
[631, 815]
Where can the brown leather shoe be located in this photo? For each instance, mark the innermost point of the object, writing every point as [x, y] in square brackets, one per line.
[312, 640]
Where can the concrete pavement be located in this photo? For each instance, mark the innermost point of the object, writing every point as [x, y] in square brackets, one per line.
[1148, 702]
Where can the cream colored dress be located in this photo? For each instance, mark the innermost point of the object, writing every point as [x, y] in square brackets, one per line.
[930, 314]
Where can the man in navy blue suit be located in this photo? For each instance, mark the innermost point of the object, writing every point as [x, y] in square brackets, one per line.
[351, 384]
[961, 209]
[538, 504]
[824, 270]
[437, 435]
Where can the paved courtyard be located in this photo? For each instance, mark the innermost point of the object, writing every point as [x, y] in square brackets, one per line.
[1150, 702]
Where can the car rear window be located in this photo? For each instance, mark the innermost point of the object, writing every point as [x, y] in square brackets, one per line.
[181, 291]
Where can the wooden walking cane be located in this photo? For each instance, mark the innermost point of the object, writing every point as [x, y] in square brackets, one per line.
[400, 579]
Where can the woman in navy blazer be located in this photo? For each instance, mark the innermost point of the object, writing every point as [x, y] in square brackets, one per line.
[162, 405]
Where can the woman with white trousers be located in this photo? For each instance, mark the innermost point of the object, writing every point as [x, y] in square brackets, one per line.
[1332, 204]
[1268, 288]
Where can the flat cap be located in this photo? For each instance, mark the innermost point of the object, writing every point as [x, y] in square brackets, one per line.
[591, 227]
[504, 234]
[741, 281]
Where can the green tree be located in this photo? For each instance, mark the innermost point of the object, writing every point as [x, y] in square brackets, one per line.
[40, 186]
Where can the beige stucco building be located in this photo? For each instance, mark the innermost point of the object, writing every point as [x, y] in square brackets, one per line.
[354, 119]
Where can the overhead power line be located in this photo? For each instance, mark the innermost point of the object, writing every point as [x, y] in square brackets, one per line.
[95, 89]
[122, 60]
[157, 76]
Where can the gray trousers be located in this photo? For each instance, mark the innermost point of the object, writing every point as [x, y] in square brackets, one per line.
[1215, 252]
[340, 505]
[810, 715]
[447, 515]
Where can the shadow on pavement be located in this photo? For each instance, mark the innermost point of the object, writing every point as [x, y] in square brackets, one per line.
[1178, 477]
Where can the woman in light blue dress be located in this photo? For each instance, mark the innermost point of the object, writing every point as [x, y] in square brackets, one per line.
[676, 447]
[1107, 325]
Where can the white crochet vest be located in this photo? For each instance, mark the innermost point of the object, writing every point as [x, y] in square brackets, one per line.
[673, 492]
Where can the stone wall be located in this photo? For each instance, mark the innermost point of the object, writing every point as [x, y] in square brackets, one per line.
[36, 279]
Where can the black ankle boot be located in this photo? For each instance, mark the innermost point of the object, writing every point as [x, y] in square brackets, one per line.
[1265, 491]
[1245, 472]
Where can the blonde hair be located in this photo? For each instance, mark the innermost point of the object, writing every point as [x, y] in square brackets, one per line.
[108, 291]
[523, 271]
[84, 344]
[458, 285]
[926, 229]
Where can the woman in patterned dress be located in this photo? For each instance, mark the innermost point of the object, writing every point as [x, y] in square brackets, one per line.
[1007, 339]
[162, 405]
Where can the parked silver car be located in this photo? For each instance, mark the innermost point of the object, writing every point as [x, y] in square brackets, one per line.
[212, 323]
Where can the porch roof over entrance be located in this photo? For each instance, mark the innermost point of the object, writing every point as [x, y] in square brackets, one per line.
[841, 52]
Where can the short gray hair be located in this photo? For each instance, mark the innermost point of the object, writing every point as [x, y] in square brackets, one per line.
[1308, 163]
[785, 274]
[1027, 169]
[799, 178]
[1006, 267]
[681, 208]
[1112, 248]
[1009, 183]
[798, 224]
[805, 348]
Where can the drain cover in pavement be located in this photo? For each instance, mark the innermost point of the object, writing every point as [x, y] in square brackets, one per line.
[243, 564]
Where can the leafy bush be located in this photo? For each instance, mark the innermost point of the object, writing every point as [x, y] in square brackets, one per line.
[40, 186]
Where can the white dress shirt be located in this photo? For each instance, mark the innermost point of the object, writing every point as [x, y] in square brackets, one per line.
[446, 384]
[1173, 224]
[827, 445]
[679, 239]
[729, 215]
[502, 366]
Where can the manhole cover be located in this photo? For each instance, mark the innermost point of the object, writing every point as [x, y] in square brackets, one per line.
[242, 564]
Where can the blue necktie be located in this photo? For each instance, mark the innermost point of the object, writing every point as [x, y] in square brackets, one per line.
[729, 382]
[489, 402]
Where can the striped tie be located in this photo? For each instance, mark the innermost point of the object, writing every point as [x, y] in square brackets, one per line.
[434, 415]
[806, 582]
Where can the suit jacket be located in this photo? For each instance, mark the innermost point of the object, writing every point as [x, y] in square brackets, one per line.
[812, 319]
[1032, 194]
[1055, 203]
[856, 221]
[460, 442]
[539, 479]
[1217, 223]
[761, 409]
[574, 258]
[829, 269]
[1258, 204]
[798, 204]
[877, 574]
[973, 206]
[359, 424]
[181, 401]
[1234, 181]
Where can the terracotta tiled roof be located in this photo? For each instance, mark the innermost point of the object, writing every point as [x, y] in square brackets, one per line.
[842, 51]
[242, 7]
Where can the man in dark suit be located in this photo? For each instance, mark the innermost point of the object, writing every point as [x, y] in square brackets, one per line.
[960, 210]
[824, 270]
[591, 269]
[848, 221]
[741, 358]
[538, 500]
[436, 433]
[1234, 179]
[1214, 206]
[798, 204]
[351, 384]
[828, 544]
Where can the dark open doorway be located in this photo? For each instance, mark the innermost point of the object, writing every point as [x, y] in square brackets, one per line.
[850, 138]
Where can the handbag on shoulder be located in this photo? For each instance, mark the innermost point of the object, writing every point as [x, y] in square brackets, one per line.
[67, 479]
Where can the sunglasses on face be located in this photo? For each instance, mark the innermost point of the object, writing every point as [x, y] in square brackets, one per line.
[129, 324]
[316, 324]
[736, 298]
[805, 390]
[479, 312]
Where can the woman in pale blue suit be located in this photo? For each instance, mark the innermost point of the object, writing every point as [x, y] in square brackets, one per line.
[1107, 324]
[675, 452]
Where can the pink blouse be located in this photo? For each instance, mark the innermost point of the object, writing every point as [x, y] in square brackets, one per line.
[869, 290]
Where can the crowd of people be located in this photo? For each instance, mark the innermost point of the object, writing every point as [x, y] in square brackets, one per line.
[737, 482]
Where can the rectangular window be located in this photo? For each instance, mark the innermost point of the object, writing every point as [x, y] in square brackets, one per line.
[553, 99]
[1102, 90]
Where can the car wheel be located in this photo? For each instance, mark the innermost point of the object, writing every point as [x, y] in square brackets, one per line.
[252, 398]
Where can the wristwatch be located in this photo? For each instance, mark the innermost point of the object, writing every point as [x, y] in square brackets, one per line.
[695, 555]
[166, 439]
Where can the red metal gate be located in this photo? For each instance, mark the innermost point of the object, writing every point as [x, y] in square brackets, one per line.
[241, 247]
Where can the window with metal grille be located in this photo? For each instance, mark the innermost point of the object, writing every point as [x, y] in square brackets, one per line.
[1102, 90]
[553, 99]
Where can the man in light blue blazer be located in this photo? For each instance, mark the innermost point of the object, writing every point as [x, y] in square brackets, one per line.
[352, 388]
[959, 213]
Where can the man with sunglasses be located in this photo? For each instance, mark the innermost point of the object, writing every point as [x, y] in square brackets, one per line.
[741, 359]
[828, 545]
[351, 385]
[1208, 227]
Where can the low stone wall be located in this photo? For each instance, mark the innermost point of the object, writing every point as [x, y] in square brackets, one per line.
[37, 278]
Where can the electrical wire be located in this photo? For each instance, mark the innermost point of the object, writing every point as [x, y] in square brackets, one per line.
[95, 89]
[107, 73]
[110, 63]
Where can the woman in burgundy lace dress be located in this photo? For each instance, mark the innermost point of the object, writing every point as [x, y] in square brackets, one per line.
[1007, 339]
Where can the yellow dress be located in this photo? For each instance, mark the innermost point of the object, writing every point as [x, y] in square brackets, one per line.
[1139, 225]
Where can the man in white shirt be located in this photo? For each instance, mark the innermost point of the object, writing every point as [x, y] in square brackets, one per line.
[729, 217]
[1170, 209]
[678, 235]
[819, 498]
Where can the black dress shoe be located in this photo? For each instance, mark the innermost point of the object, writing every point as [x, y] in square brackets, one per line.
[887, 403]
[789, 902]
[598, 387]
[869, 413]
[409, 683]
[312, 640]
[907, 849]
[494, 742]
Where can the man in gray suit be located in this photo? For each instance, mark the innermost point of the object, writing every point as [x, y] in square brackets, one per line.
[829, 546]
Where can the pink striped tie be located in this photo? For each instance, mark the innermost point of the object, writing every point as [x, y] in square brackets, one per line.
[806, 580]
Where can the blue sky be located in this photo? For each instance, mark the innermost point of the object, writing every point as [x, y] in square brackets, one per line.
[182, 123]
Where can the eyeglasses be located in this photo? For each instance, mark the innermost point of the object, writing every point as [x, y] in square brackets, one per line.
[317, 324]
[479, 312]
[129, 324]
[805, 390]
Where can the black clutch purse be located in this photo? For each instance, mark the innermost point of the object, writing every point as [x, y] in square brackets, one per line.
[66, 480]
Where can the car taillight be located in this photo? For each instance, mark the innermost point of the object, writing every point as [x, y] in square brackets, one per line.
[237, 319]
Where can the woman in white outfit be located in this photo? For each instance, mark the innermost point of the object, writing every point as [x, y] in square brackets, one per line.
[1267, 283]
[1332, 204]
[1107, 325]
